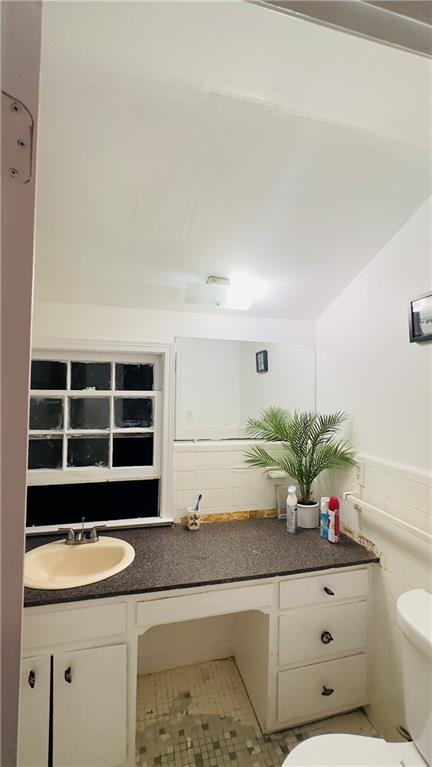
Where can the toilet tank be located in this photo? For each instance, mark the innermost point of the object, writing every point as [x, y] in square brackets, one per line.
[414, 616]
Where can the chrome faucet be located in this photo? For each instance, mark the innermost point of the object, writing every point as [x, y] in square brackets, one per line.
[79, 537]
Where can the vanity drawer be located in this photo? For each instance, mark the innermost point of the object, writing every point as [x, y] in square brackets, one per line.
[310, 633]
[204, 604]
[324, 588]
[300, 691]
[57, 627]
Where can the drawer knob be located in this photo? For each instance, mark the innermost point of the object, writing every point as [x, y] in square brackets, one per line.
[32, 679]
[328, 591]
[68, 675]
[326, 637]
[327, 691]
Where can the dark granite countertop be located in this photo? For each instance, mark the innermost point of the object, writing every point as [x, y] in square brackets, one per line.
[220, 552]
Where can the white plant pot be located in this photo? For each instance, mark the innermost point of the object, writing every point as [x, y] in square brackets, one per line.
[308, 515]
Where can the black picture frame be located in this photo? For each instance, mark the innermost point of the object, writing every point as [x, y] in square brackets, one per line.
[262, 361]
[420, 318]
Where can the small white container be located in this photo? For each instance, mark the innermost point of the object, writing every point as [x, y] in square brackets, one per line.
[193, 519]
[308, 515]
[291, 510]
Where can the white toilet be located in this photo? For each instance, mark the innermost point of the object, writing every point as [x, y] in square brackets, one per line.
[414, 615]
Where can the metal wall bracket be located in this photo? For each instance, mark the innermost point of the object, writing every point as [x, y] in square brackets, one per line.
[17, 139]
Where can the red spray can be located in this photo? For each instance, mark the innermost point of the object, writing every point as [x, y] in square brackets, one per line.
[333, 526]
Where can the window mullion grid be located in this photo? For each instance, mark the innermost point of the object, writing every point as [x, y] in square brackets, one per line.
[66, 415]
[112, 394]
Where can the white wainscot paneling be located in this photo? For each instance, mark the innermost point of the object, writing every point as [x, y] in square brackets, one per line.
[184, 461]
[185, 480]
[418, 495]
[218, 471]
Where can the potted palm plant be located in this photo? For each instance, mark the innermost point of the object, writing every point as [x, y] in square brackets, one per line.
[309, 446]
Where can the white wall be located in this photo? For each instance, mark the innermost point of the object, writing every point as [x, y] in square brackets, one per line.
[366, 366]
[114, 323]
[365, 363]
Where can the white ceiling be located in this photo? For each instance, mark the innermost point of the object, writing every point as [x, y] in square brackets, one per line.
[184, 139]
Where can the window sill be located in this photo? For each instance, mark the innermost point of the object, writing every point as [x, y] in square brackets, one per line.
[113, 524]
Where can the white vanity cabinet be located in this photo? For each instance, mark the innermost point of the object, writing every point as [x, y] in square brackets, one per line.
[300, 644]
[73, 697]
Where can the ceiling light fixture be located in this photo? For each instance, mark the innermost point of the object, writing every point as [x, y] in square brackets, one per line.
[238, 291]
[244, 290]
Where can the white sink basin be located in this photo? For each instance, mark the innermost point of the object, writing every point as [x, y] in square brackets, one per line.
[57, 566]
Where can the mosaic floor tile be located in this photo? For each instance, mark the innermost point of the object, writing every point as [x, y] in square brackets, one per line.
[201, 716]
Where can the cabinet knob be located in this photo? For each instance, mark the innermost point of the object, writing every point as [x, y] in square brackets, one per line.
[32, 679]
[68, 675]
[326, 637]
[327, 691]
[328, 591]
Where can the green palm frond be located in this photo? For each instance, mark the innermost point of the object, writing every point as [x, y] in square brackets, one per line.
[273, 421]
[308, 444]
[325, 426]
[333, 456]
[258, 456]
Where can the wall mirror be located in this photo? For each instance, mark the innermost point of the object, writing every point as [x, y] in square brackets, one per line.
[221, 384]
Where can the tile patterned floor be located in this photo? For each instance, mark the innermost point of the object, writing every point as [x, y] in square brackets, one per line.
[201, 716]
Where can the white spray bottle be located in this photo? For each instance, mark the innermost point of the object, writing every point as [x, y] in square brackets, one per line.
[291, 509]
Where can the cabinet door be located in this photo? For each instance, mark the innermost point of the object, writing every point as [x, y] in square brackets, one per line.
[34, 707]
[89, 708]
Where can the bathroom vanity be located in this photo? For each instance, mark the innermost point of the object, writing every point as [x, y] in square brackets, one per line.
[301, 634]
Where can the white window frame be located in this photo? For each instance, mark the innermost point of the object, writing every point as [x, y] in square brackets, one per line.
[162, 469]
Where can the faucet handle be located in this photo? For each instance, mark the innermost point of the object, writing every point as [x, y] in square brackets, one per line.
[70, 532]
[94, 532]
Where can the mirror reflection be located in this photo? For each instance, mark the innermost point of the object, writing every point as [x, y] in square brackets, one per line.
[221, 384]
